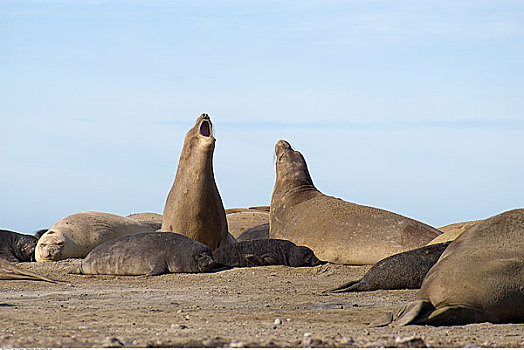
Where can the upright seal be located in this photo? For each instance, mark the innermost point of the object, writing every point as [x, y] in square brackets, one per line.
[336, 231]
[194, 207]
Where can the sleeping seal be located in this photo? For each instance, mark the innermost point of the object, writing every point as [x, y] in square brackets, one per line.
[478, 278]
[264, 252]
[337, 231]
[151, 254]
[16, 247]
[194, 207]
[76, 235]
[404, 270]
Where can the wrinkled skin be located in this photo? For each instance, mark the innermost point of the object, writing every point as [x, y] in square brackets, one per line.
[151, 254]
[194, 207]
[337, 231]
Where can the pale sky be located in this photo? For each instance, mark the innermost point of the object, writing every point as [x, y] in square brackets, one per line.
[411, 106]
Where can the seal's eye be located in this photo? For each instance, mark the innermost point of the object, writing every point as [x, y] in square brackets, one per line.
[205, 129]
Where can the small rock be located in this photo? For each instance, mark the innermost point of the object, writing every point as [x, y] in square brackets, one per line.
[238, 344]
[410, 342]
[277, 321]
[112, 342]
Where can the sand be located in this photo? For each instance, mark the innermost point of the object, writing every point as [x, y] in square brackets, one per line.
[271, 306]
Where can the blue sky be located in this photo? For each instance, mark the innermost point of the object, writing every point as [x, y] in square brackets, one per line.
[411, 106]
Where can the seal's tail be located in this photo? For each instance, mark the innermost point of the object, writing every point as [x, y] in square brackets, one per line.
[352, 286]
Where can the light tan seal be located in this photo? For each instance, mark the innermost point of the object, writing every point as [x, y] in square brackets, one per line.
[76, 235]
[478, 278]
[452, 231]
[337, 231]
[194, 207]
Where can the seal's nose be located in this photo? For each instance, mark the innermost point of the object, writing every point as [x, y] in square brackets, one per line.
[281, 146]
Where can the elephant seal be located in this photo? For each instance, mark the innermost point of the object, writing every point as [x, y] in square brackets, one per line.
[238, 222]
[194, 207]
[264, 252]
[478, 278]
[153, 220]
[452, 231]
[150, 253]
[76, 235]
[16, 247]
[254, 233]
[404, 270]
[337, 231]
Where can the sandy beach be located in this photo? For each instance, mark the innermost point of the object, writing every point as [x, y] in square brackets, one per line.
[272, 306]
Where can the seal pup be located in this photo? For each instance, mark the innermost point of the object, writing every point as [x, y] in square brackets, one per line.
[264, 252]
[17, 247]
[404, 270]
[15, 273]
[194, 207]
[76, 235]
[337, 231]
[151, 254]
[478, 278]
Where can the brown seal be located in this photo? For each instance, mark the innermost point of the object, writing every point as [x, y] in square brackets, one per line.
[337, 231]
[478, 278]
[194, 207]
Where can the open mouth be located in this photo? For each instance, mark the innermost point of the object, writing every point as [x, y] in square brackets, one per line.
[205, 129]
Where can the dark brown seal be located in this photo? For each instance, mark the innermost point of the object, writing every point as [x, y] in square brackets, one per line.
[194, 207]
[151, 254]
[337, 231]
[17, 247]
[404, 270]
[264, 252]
[478, 278]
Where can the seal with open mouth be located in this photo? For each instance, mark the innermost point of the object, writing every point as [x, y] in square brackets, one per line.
[194, 207]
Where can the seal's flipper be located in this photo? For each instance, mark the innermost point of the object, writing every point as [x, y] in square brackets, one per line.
[415, 312]
[454, 315]
[352, 286]
[8, 267]
[157, 270]
[252, 260]
[268, 259]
